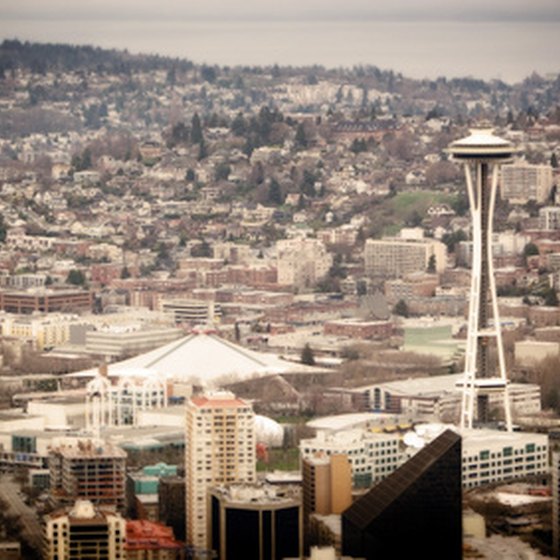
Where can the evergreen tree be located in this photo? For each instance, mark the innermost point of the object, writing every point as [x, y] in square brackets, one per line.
[307, 355]
[301, 138]
[76, 277]
[554, 160]
[401, 308]
[196, 130]
[275, 195]
[3, 229]
[431, 264]
[202, 150]
[239, 125]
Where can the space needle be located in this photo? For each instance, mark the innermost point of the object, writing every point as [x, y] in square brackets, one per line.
[481, 154]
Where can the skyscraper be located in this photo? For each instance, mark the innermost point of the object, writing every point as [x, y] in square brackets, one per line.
[416, 512]
[256, 522]
[220, 449]
[481, 153]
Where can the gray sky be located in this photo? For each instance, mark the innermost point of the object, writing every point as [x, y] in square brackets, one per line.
[484, 10]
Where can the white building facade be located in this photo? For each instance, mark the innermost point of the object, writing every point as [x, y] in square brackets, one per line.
[219, 449]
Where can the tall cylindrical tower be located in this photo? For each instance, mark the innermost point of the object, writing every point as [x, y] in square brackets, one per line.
[481, 154]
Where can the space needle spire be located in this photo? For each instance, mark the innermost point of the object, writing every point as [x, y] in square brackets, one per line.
[481, 154]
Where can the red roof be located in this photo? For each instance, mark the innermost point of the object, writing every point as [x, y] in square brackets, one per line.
[218, 403]
[149, 535]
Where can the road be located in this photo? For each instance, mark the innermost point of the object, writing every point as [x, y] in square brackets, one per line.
[32, 532]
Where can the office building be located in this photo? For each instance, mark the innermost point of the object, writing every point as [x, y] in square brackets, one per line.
[87, 469]
[84, 531]
[43, 331]
[327, 489]
[192, 312]
[171, 499]
[395, 257]
[220, 448]
[522, 181]
[372, 456]
[415, 512]
[549, 217]
[256, 522]
[302, 262]
[46, 300]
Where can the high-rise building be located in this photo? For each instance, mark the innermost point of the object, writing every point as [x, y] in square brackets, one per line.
[556, 499]
[84, 531]
[256, 522]
[219, 449]
[481, 154]
[87, 469]
[171, 493]
[522, 181]
[327, 487]
[415, 512]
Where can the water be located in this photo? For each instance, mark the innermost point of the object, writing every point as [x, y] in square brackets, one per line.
[506, 50]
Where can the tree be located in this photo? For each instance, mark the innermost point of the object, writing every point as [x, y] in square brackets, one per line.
[222, 171]
[202, 150]
[307, 355]
[551, 298]
[431, 264]
[554, 160]
[3, 229]
[196, 130]
[301, 138]
[76, 277]
[125, 273]
[275, 195]
[530, 250]
[239, 125]
[401, 308]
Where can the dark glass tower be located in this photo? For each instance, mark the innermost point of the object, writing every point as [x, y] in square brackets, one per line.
[415, 512]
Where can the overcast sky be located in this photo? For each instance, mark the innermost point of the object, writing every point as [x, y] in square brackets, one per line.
[491, 10]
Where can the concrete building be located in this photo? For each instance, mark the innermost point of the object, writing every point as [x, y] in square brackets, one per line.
[529, 352]
[192, 312]
[302, 262]
[491, 456]
[372, 456]
[256, 522]
[43, 331]
[219, 449]
[356, 328]
[123, 341]
[87, 469]
[394, 257]
[84, 531]
[549, 217]
[522, 181]
[327, 490]
[439, 397]
[45, 300]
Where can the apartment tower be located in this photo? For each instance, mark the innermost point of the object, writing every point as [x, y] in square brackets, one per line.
[219, 449]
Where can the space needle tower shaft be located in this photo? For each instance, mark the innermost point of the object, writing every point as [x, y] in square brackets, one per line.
[481, 154]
